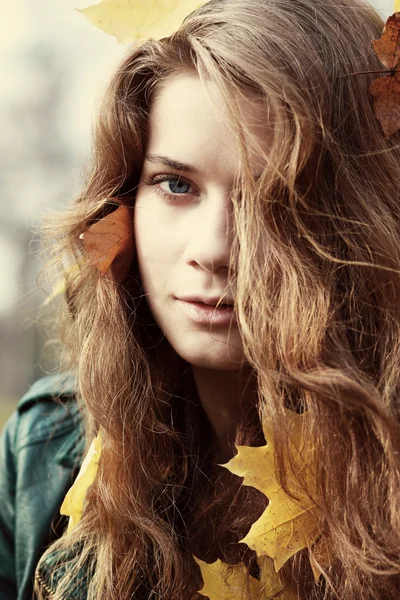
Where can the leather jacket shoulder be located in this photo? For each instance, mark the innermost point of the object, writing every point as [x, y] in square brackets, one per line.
[41, 450]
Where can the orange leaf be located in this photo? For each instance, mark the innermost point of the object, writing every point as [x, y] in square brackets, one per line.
[110, 243]
[386, 90]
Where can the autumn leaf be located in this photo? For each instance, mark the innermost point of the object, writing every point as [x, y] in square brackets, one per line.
[226, 582]
[136, 20]
[287, 525]
[110, 242]
[231, 582]
[270, 582]
[396, 5]
[386, 89]
[73, 503]
[60, 285]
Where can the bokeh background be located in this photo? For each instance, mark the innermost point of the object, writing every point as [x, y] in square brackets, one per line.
[53, 68]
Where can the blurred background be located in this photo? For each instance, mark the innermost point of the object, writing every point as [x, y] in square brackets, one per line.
[53, 65]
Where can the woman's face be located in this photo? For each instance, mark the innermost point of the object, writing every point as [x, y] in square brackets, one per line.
[184, 223]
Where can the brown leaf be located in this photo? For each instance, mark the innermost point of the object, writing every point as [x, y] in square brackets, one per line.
[386, 90]
[110, 243]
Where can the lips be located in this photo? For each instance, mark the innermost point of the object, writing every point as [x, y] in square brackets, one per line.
[205, 313]
[221, 305]
[211, 301]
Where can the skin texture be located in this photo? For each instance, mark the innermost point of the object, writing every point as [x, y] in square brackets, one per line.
[184, 243]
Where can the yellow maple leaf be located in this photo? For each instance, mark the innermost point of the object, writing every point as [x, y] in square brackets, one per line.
[136, 20]
[396, 6]
[73, 503]
[270, 583]
[229, 582]
[287, 525]
[226, 582]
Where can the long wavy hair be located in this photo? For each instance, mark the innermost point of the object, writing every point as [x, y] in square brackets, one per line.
[317, 255]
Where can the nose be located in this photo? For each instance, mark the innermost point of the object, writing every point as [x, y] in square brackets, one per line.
[210, 238]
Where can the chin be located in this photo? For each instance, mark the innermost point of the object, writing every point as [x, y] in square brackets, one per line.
[224, 359]
[216, 365]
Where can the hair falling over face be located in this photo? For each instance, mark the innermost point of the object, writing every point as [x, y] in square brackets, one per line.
[318, 287]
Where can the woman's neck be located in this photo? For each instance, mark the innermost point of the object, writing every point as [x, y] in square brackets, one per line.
[221, 393]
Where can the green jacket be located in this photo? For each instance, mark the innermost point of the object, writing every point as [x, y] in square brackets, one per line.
[41, 451]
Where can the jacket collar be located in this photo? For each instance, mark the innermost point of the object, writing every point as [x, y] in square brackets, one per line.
[70, 454]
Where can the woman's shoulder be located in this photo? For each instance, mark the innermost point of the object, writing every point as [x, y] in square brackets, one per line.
[48, 410]
[41, 449]
[46, 415]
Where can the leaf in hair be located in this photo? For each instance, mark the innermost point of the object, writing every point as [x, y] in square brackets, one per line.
[270, 582]
[110, 243]
[386, 89]
[61, 284]
[226, 582]
[73, 503]
[136, 20]
[229, 582]
[287, 525]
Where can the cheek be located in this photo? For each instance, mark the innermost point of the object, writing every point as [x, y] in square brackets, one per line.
[156, 249]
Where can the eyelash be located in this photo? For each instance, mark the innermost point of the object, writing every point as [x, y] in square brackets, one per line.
[167, 177]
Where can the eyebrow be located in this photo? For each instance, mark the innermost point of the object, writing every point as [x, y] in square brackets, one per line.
[176, 164]
[169, 162]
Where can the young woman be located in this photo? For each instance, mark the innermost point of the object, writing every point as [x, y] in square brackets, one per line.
[247, 168]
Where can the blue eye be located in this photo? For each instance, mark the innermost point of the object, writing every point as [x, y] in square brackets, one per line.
[176, 186]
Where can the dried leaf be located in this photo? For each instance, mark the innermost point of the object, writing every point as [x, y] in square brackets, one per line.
[386, 89]
[61, 284]
[73, 503]
[270, 582]
[287, 525]
[226, 582]
[110, 243]
[136, 20]
[229, 582]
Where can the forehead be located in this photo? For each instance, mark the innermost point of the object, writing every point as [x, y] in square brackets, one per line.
[190, 122]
